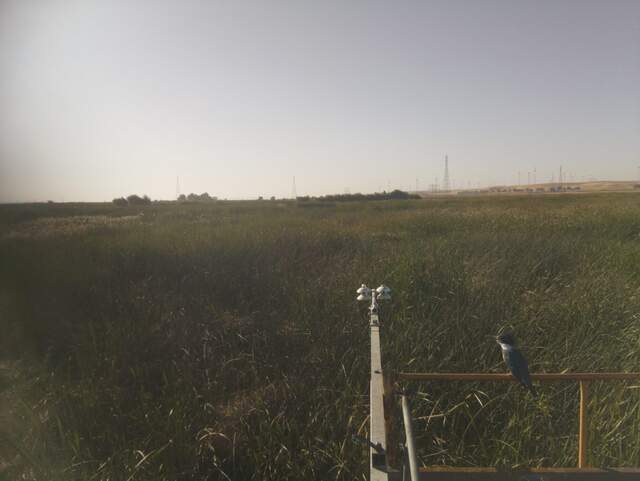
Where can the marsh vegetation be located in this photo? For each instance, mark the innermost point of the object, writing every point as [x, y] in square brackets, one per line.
[205, 341]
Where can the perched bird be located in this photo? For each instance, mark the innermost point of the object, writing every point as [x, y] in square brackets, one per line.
[515, 361]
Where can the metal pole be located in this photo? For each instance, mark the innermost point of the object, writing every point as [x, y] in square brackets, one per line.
[378, 462]
[377, 431]
[582, 435]
[411, 449]
[406, 475]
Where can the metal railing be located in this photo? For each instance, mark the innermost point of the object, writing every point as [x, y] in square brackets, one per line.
[584, 379]
[381, 406]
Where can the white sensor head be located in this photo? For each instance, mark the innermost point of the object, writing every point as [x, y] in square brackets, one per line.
[364, 293]
[383, 293]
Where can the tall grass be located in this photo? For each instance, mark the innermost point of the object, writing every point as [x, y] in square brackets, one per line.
[205, 342]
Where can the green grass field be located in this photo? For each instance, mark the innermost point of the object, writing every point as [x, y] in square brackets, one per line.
[223, 341]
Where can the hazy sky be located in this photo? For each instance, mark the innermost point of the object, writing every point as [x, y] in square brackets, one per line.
[105, 98]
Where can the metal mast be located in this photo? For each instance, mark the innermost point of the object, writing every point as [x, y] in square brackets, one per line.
[378, 461]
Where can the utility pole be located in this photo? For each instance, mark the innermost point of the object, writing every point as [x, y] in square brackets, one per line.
[294, 192]
[445, 181]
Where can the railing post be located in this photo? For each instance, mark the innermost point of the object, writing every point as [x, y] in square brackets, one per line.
[390, 402]
[408, 429]
[582, 434]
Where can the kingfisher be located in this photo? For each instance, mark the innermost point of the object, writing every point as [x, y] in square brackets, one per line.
[515, 361]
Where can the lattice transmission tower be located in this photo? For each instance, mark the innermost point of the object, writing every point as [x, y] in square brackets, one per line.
[445, 181]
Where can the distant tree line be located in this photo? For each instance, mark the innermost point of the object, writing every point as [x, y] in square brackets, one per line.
[518, 190]
[132, 199]
[393, 195]
[204, 197]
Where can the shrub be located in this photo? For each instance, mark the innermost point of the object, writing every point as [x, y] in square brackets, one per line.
[134, 199]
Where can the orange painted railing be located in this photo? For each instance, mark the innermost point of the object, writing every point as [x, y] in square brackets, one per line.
[584, 378]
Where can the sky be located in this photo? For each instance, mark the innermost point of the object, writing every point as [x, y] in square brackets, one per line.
[100, 99]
